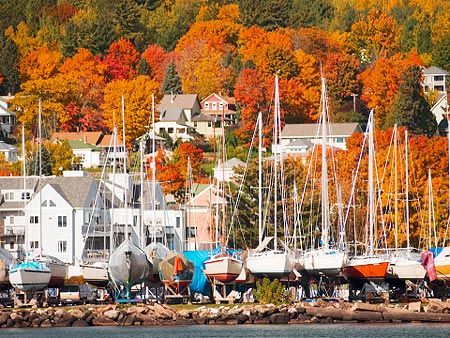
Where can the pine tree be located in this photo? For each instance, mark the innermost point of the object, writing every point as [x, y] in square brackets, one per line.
[410, 108]
[172, 82]
[9, 66]
[441, 55]
[143, 67]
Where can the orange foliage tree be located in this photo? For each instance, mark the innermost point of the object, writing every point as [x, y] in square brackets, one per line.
[121, 60]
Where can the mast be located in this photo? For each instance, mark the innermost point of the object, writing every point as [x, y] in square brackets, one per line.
[153, 171]
[24, 174]
[141, 178]
[407, 190]
[40, 174]
[275, 164]
[111, 230]
[371, 186]
[260, 178]
[224, 235]
[324, 205]
[395, 188]
[125, 199]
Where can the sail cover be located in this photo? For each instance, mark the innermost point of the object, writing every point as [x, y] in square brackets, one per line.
[128, 265]
[175, 267]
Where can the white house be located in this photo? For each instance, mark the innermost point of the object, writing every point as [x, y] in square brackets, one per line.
[88, 154]
[226, 171]
[440, 111]
[7, 117]
[337, 138]
[9, 152]
[434, 78]
[59, 212]
[175, 114]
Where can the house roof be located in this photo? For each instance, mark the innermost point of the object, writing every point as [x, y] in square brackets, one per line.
[203, 117]
[433, 70]
[8, 205]
[183, 101]
[73, 189]
[92, 137]
[300, 143]
[106, 141]
[16, 182]
[441, 101]
[231, 163]
[171, 114]
[310, 130]
[224, 98]
[77, 144]
[6, 147]
[4, 110]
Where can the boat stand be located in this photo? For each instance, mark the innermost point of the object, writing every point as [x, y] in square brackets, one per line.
[124, 295]
[177, 291]
[220, 294]
[29, 299]
[369, 291]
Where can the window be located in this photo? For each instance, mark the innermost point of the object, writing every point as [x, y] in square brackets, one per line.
[209, 124]
[25, 196]
[170, 241]
[221, 105]
[178, 221]
[51, 203]
[135, 220]
[439, 88]
[11, 245]
[214, 105]
[9, 196]
[191, 232]
[170, 130]
[62, 221]
[439, 78]
[195, 124]
[62, 246]
[11, 220]
[34, 244]
[339, 140]
[44, 204]
[34, 219]
[207, 105]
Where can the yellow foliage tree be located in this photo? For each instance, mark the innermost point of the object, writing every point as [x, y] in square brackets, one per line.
[138, 102]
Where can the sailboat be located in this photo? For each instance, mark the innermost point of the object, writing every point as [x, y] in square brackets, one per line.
[405, 264]
[368, 267]
[263, 261]
[224, 266]
[128, 264]
[325, 260]
[31, 275]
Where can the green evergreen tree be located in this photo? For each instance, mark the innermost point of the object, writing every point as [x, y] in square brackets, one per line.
[143, 67]
[172, 82]
[410, 108]
[441, 54]
[268, 14]
[33, 163]
[9, 66]
[305, 13]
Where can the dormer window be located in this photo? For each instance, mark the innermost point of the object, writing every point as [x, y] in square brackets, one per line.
[214, 105]
[221, 105]
[9, 196]
[207, 105]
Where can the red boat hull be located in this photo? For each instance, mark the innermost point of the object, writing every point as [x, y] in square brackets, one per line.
[370, 271]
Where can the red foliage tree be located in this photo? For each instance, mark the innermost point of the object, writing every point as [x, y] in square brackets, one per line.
[121, 60]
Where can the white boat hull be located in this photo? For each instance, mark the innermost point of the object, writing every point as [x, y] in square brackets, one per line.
[406, 269]
[442, 264]
[326, 262]
[30, 280]
[95, 274]
[272, 264]
[224, 269]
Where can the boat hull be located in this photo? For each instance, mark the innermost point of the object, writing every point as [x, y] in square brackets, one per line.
[324, 262]
[272, 264]
[405, 269]
[95, 274]
[224, 269]
[442, 265]
[29, 279]
[367, 268]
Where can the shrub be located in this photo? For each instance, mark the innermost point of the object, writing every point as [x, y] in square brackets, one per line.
[271, 292]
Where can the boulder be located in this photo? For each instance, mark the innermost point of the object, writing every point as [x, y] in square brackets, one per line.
[400, 315]
[4, 317]
[199, 319]
[279, 318]
[328, 312]
[163, 312]
[415, 306]
[111, 314]
[365, 316]
[435, 306]
[79, 323]
[265, 320]
[101, 320]
[47, 323]
[434, 317]
[242, 318]
[367, 307]
[77, 313]
[129, 319]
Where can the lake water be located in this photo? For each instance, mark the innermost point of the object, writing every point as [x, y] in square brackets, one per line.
[280, 331]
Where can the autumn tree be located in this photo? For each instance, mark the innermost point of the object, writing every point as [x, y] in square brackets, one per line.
[410, 108]
[121, 60]
[157, 62]
[138, 102]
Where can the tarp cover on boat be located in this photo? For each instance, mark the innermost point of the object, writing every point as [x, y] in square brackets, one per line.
[175, 267]
[199, 283]
[128, 265]
[156, 250]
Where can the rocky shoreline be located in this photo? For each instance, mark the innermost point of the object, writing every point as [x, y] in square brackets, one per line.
[155, 314]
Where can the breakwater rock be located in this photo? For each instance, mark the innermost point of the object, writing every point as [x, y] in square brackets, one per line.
[156, 314]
